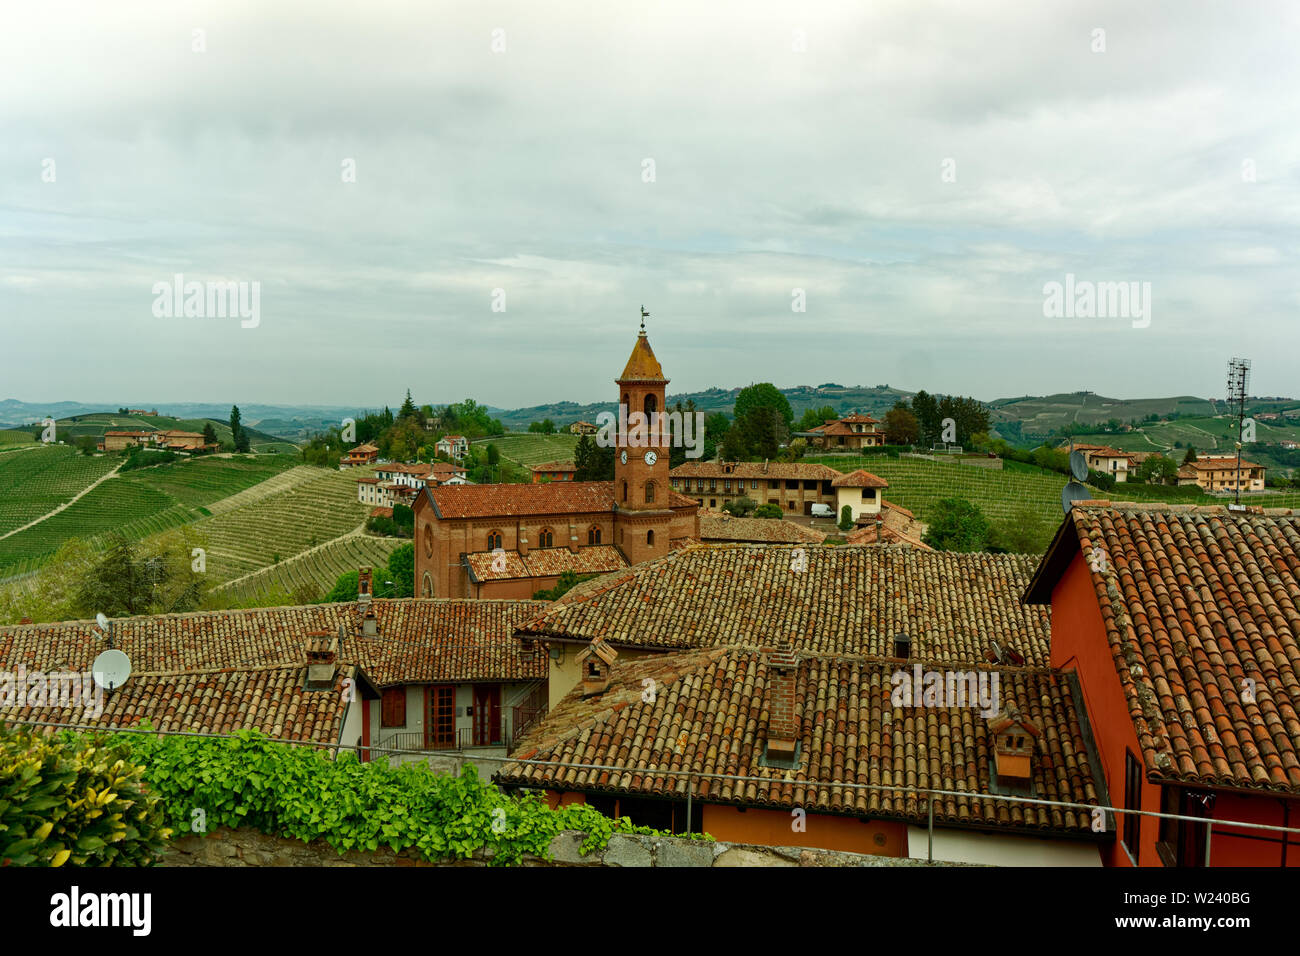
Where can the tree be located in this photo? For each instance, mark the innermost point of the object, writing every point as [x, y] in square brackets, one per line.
[209, 434]
[129, 579]
[592, 462]
[814, 417]
[235, 427]
[493, 455]
[1190, 457]
[957, 525]
[408, 409]
[927, 414]
[762, 431]
[1158, 470]
[846, 518]
[1024, 532]
[740, 507]
[401, 571]
[763, 395]
[768, 511]
[901, 425]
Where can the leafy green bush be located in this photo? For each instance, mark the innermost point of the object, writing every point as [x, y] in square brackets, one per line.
[80, 800]
[768, 511]
[282, 790]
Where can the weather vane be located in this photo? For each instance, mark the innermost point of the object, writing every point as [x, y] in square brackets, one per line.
[644, 315]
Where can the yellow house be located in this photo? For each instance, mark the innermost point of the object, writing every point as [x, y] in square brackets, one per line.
[860, 491]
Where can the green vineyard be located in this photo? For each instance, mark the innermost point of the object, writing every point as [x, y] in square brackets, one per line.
[135, 504]
[533, 449]
[313, 573]
[36, 481]
[270, 529]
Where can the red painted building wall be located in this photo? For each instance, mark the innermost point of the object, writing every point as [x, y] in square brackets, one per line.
[1079, 643]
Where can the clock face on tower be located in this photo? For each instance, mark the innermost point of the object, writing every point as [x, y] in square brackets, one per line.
[622, 456]
[651, 458]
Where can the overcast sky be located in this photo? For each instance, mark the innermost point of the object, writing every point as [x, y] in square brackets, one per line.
[775, 168]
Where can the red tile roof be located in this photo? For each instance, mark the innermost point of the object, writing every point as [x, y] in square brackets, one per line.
[1197, 602]
[221, 670]
[859, 479]
[708, 715]
[545, 562]
[848, 601]
[719, 526]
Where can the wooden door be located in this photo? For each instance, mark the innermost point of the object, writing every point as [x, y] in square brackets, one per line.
[440, 717]
[487, 715]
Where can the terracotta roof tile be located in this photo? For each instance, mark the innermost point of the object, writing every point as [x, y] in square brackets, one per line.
[859, 479]
[849, 600]
[1199, 605]
[718, 526]
[545, 562]
[708, 716]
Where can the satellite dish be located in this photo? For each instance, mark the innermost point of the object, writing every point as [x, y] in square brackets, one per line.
[111, 669]
[1079, 465]
[1073, 492]
[102, 621]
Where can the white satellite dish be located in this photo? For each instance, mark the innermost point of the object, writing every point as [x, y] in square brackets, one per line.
[111, 669]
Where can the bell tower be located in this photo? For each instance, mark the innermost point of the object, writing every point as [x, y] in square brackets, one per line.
[642, 516]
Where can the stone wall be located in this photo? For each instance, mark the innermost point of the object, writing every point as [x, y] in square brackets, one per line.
[245, 847]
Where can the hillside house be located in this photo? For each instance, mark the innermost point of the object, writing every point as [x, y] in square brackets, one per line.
[454, 446]
[1221, 473]
[583, 428]
[119, 440]
[851, 433]
[361, 455]
[1110, 461]
[554, 471]
[794, 486]
[1179, 624]
[861, 492]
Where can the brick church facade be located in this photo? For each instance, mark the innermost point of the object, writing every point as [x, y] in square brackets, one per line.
[508, 541]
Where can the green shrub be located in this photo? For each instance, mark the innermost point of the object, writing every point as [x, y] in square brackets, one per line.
[80, 800]
[298, 792]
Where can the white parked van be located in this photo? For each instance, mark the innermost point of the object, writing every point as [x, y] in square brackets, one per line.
[822, 511]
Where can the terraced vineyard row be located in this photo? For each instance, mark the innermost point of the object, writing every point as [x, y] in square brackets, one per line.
[37, 481]
[206, 480]
[533, 449]
[14, 436]
[135, 504]
[273, 528]
[316, 572]
[285, 480]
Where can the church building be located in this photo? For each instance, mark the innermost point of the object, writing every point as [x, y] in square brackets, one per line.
[508, 541]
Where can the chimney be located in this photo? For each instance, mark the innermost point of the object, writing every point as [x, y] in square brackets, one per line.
[1014, 740]
[595, 662]
[765, 466]
[573, 537]
[365, 605]
[321, 650]
[523, 542]
[782, 715]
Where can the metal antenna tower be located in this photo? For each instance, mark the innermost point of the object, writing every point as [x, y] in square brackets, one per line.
[1238, 383]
